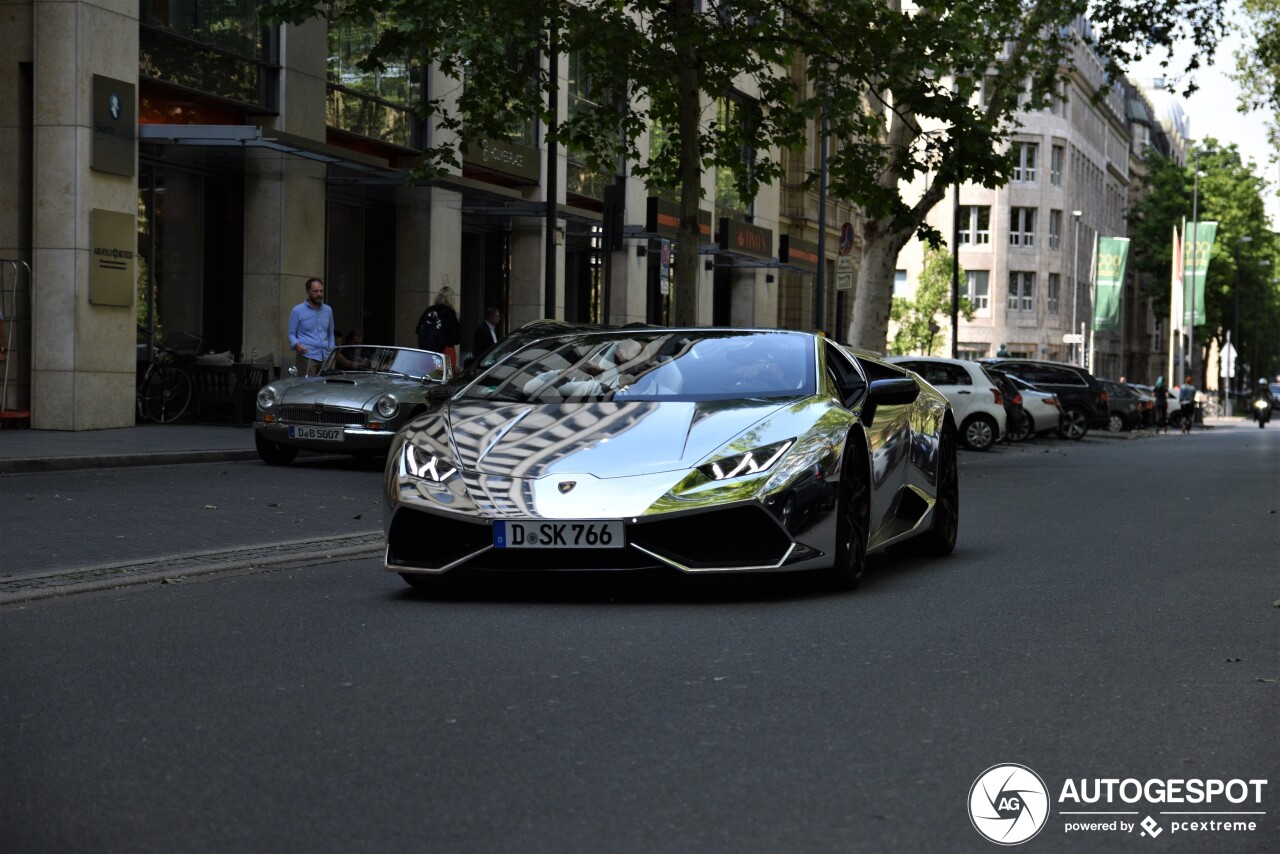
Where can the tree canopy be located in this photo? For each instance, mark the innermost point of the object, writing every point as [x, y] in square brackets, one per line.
[927, 93]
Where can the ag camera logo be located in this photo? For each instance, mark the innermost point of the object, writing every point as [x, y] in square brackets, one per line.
[1008, 804]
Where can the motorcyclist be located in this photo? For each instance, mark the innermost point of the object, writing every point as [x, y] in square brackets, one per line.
[1262, 402]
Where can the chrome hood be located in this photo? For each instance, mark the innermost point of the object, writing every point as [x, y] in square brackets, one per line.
[609, 440]
[347, 390]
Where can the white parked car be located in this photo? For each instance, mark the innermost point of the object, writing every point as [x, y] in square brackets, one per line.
[977, 403]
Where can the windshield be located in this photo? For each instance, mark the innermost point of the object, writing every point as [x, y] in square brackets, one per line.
[364, 358]
[653, 365]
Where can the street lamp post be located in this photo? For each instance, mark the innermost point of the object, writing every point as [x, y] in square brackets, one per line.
[1190, 318]
[1233, 384]
[1075, 285]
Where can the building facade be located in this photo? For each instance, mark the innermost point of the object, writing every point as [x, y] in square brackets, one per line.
[1027, 249]
[176, 170]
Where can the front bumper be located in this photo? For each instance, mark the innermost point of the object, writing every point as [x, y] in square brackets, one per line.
[354, 439]
[740, 538]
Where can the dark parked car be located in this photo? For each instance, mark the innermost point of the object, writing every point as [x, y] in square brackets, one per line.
[1017, 423]
[1083, 399]
[1128, 407]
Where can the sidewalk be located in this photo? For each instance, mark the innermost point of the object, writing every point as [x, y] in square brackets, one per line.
[25, 450]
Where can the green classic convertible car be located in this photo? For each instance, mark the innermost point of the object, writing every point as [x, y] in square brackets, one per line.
[361, 397]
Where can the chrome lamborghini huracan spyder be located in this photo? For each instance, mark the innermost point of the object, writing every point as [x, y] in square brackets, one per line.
[699, 450]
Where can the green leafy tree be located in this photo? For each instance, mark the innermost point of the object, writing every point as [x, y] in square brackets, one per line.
[1239, 293]
[898, 87]
[919, 320]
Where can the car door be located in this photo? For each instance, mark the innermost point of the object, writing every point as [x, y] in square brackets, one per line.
[952, 380]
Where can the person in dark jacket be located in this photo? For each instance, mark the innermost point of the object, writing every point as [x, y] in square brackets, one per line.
[438, 329]
[486, 334]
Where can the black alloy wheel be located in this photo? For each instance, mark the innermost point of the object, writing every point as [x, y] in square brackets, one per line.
[940, 540]
[853, 522]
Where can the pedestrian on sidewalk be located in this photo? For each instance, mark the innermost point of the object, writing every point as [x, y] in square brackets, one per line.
[438, 328]
[311, 330]
[1161, 391]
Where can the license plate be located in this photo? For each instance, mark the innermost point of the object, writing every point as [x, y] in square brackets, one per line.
[317, 434]
[558, 535]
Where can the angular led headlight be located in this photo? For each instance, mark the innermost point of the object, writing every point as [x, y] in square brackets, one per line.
[266, 397]
[752, 462]
[387, 407]
[428, 466]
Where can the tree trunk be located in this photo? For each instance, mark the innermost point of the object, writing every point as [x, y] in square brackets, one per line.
[869, 325]
[685, 309]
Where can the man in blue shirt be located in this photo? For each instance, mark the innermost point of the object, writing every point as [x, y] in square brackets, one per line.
[311, 330]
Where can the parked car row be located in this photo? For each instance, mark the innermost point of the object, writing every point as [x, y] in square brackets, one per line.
[1015, 399]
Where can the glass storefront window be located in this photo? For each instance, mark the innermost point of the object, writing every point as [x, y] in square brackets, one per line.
[231, 25]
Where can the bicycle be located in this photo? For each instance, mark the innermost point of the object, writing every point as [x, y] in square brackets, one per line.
[165, 387]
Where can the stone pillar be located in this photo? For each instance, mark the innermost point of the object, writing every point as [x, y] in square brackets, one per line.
[428, 255]
[284, 232]
[83, 355]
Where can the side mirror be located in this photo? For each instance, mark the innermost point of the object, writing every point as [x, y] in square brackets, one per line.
[894, 391]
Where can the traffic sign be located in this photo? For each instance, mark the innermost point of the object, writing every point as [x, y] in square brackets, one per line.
[846, 238]
[1073, 338]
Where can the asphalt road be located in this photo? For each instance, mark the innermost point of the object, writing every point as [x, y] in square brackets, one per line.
[1107, 614]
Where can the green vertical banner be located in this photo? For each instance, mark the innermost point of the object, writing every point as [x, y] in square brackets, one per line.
[1109, 282]
[1197, 249]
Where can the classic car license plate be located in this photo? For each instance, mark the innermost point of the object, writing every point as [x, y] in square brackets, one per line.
[320, 434]
[558, 535]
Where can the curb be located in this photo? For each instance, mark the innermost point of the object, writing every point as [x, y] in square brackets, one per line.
[29, 465]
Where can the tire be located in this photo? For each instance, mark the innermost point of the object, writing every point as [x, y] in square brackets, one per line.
[1021, 429]
[1174, 421]
[979, 432]
[1075, 423]
[853, 523]
[1115, 424]
[165, 395]
[940, 539]
[273, 453]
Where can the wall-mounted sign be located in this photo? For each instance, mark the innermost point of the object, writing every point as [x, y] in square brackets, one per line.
[798, 253]
[742, 238]
[662, 218]
[113, 267]
[115, 127]
[505, 158]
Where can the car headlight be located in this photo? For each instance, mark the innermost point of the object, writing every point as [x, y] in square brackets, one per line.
[387, 406]
[426, 465]
[266, 397]
[751, 462]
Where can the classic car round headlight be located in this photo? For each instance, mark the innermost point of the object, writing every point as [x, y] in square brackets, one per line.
[266, 397]
[387, 406]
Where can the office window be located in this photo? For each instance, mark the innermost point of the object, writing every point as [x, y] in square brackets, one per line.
[1022, 226]
[976, 288]
[1051, 292]
[975, 224]
[1025, 168]
[1022, 290]
[1055, 229]
[1056, 156]
[900, 283]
